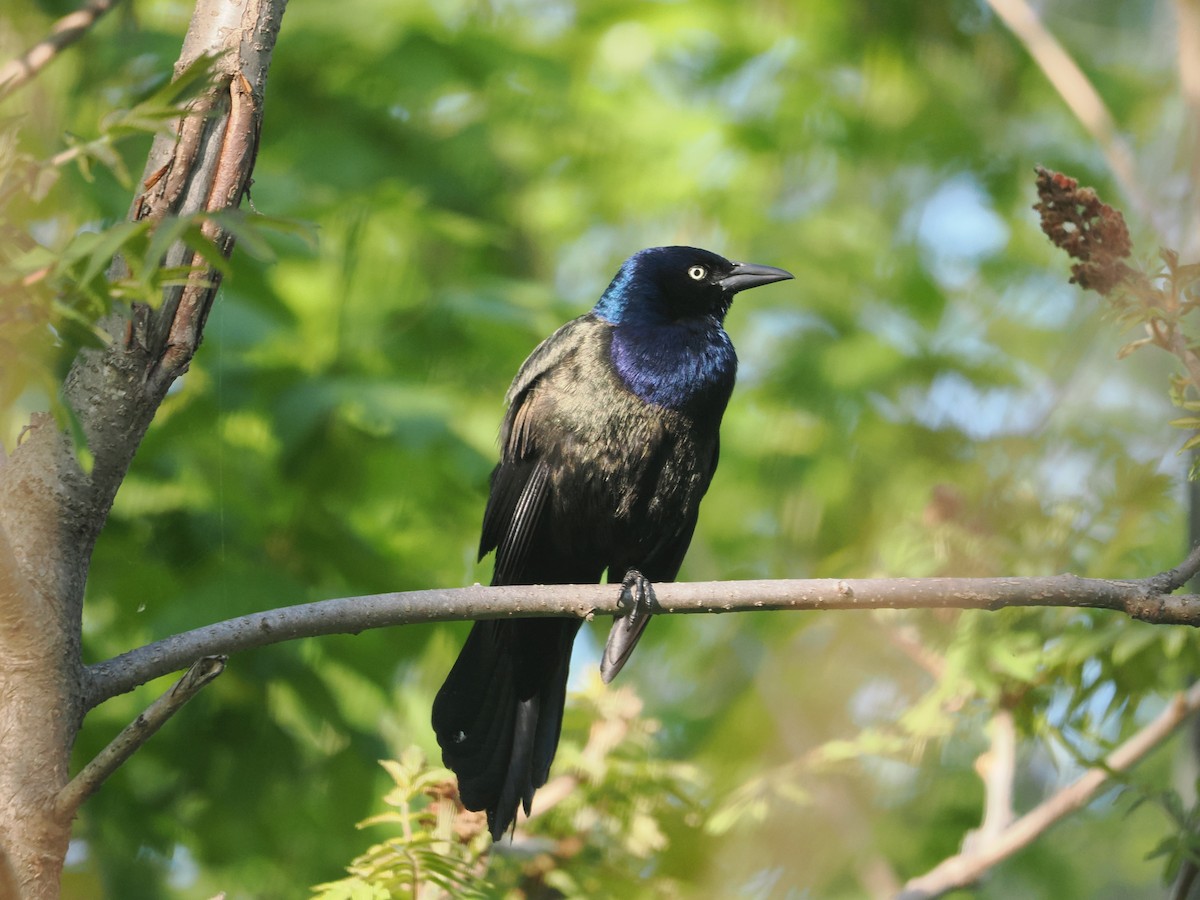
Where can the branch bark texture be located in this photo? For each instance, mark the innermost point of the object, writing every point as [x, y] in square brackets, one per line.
[1149, 600]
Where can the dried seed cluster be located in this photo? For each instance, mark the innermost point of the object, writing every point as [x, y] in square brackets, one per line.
[1090, 230]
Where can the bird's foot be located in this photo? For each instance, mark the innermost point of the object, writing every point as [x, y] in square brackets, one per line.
[637, 595]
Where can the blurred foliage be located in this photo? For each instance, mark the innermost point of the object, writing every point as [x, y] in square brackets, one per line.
[617, 809]
[593, 831]
[434, 852]
[929, 397]
[55, 279]
[1160, 303]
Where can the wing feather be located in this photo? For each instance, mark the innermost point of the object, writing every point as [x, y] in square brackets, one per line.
[521, 482]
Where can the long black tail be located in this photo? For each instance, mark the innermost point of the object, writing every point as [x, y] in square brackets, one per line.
[499, 713]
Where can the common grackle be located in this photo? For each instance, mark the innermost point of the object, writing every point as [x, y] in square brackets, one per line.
[609, 443]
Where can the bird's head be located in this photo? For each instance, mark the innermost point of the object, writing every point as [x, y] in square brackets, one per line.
[672, 284]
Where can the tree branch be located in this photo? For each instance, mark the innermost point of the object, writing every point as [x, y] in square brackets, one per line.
[997, 768]
[51, 508]
[1187, 13]
[136, 733]
[1142, 600]
[1173, 579]
[969, 866]
[906, 640]
[1080, 95]
[64, 32]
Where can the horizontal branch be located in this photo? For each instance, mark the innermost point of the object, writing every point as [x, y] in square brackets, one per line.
[1148, 600]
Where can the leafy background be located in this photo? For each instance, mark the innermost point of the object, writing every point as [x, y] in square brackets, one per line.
[929, 396]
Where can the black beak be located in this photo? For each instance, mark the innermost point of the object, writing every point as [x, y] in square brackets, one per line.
[748, 275]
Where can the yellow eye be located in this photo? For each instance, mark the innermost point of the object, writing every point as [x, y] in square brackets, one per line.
[697, 273]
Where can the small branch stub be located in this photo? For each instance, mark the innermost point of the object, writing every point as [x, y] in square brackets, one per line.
[137, 733]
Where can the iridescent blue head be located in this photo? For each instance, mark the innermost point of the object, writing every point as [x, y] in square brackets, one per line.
[673, 284]
[667, 306]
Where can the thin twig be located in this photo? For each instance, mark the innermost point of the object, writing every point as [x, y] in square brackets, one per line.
[1187, 14]
[1080, 95]
[64, 32]
[998, 768]
[1173, 579]
[969, 866]
[351, 615]
[137, 733]
[908, 641]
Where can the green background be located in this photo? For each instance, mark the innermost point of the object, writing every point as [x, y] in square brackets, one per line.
[928, 397]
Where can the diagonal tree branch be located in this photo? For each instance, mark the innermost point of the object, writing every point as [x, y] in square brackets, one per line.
[1187, 15]
[1173, 579]
[1142, 600]
[64, 32]
[1081, 96]
[969, 866]
[136, 733]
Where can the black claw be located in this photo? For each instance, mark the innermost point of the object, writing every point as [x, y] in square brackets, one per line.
[637, 594]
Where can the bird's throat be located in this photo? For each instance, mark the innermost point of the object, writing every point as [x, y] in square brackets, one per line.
[679, 366]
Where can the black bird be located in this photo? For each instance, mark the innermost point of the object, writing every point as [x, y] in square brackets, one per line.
[609, 443]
